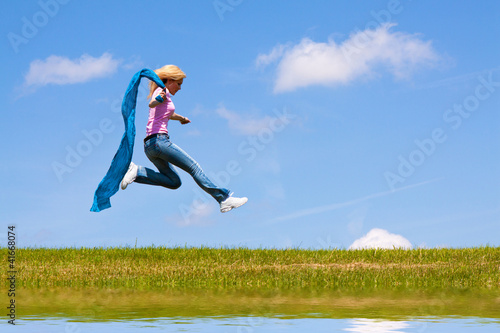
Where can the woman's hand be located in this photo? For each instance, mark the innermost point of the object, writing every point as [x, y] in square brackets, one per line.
[184, 120]
[155, 102]
[163, 94]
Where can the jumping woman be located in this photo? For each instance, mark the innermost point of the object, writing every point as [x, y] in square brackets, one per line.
[163, 153]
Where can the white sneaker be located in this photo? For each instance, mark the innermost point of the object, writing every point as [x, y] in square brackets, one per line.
[232, 202]
[129, 176]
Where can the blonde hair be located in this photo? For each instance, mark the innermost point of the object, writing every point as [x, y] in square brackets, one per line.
[166, 72]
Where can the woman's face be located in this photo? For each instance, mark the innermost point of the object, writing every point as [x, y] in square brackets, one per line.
[173, 86]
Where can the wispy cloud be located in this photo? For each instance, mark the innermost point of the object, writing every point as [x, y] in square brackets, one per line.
[266, 59]
[243, 125]
[460, 79]
[196, 214]
[380, 239]
[61, 70]
[194, 132]
[334, 206]
[134, 62]
[268, 164]
[360, 56]
[274, 191]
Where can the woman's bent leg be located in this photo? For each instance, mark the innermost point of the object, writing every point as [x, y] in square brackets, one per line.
[156, 151]
[167, 177]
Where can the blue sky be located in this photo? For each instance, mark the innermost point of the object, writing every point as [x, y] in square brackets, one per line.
[335, 119]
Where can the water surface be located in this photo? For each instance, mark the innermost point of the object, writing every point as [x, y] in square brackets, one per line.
[124, 310]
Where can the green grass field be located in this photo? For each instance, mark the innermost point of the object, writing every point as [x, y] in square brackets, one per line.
[209, 268]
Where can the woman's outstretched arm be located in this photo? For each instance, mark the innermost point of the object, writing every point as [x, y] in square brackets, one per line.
[182, 119]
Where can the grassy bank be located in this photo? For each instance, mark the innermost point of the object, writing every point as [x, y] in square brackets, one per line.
[154, 267]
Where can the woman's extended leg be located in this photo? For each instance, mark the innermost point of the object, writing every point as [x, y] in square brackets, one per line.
[181, 159]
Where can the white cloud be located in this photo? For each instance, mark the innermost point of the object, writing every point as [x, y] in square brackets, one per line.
[360, 56]
[382, 239]
[61, 70]
[244, 125]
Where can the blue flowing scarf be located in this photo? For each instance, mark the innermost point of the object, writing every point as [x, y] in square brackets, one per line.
[109, 185]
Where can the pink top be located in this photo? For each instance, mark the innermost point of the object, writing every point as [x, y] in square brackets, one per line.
[159, 115]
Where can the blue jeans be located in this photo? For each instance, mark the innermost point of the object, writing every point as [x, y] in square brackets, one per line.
[163, 154]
